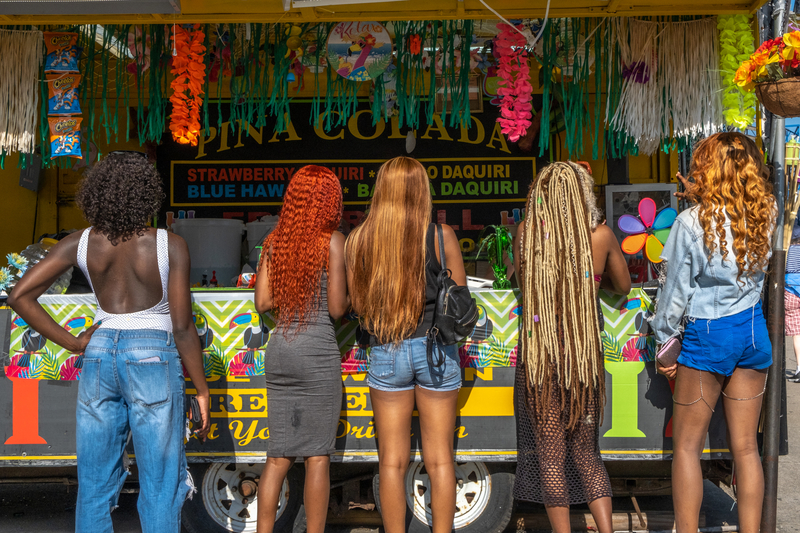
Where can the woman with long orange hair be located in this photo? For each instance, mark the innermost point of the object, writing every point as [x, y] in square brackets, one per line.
[302, 280]
[393, 260]
[716, 257]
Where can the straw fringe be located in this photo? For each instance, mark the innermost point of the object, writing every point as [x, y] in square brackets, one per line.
[20, 61]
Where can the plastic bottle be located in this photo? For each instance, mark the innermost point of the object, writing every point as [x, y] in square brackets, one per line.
[35, 253]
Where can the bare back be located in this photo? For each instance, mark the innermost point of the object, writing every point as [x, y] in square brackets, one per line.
[125, 277]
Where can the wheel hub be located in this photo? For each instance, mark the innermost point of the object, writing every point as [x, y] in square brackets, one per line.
[473, 488]
[230, 494]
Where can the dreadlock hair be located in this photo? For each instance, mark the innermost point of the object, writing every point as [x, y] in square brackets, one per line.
[561, 334]
[299, 247]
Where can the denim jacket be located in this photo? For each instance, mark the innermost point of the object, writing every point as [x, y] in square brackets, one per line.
[695, 286]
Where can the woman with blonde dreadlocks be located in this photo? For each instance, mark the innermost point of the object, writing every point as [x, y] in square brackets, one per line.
[302, 279]
[562, 256]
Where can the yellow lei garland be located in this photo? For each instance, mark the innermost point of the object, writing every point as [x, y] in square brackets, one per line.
[736, 45]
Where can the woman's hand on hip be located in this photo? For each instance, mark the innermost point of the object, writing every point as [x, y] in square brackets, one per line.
[84, 338]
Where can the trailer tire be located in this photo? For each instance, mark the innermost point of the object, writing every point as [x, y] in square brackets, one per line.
[212, 510]
[485, 500]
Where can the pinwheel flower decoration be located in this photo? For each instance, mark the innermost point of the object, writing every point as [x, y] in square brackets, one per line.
[649, 231]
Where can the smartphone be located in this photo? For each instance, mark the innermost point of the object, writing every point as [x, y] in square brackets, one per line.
[194, 411]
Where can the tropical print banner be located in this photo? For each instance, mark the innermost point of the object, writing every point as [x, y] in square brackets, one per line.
[233, 335]
[626, 335]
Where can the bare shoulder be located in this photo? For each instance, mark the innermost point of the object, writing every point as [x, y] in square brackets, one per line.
[448, 233]
[71, 240]
[602, 233]
[337, 239]
[177, 245]
[68, 246]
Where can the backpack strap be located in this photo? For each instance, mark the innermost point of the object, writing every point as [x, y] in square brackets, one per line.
[442, 259]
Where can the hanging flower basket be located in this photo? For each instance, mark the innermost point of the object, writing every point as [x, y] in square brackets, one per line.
[781, 97]
[773, 72]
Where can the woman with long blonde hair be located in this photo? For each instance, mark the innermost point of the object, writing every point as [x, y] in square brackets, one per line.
[562, 255]
[393, 260]
[716, 256]
[301, 278]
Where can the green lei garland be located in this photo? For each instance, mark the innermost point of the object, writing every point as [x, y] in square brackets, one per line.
[736, 45]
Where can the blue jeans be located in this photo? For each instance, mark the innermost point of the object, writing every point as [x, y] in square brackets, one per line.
[402, 366]
[131, 380]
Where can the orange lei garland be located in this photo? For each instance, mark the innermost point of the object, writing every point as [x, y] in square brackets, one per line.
[189, 69]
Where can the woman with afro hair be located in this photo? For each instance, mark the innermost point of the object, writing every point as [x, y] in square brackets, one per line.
[301, 278]
[131, 378]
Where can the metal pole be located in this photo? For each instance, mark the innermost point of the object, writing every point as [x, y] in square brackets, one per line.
[776, 316]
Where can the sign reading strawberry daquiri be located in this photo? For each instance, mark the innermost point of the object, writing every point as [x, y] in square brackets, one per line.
[40, 384]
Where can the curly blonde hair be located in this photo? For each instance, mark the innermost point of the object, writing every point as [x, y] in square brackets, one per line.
[730, 177]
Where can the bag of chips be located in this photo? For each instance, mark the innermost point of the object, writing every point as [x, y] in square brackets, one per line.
[65, 137]
[62, 52]
[63, 91]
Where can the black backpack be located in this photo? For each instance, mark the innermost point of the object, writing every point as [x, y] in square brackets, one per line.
[456, 312]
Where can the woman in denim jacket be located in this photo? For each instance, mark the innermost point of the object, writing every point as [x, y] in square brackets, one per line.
[716, 256]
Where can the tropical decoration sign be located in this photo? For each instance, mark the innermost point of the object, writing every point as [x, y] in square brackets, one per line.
[360, 51]
[233, 336]
[626, 335]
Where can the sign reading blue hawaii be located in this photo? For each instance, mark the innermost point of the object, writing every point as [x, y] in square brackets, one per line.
[242, 171]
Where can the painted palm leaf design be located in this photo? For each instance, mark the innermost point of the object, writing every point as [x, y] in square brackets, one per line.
[213, 363]
[612, 351]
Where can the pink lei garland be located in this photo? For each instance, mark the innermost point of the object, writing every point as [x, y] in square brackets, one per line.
[514, 85]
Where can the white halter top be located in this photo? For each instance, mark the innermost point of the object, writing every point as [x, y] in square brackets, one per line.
[157, 317]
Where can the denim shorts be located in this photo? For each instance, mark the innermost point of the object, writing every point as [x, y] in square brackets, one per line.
[399, 367]
[730, 342]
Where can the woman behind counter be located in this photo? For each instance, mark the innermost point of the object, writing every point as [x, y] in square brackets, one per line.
[132, 377]
[716, 256]
[302, 278]
[393, 260]
[562, 255]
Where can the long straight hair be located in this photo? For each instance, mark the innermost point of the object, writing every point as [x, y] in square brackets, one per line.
[560, 326]
[386, 253]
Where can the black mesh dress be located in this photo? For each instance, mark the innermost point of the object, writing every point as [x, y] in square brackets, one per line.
[557, 467]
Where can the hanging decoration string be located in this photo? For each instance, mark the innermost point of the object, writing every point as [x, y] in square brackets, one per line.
[736, 45]
[189, 69]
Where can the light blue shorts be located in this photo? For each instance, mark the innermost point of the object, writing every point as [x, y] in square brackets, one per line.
[403, 366]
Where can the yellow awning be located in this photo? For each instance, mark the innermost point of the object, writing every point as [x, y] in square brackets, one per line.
[211, 11]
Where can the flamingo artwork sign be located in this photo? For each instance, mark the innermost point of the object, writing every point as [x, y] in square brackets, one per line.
[359, 51]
